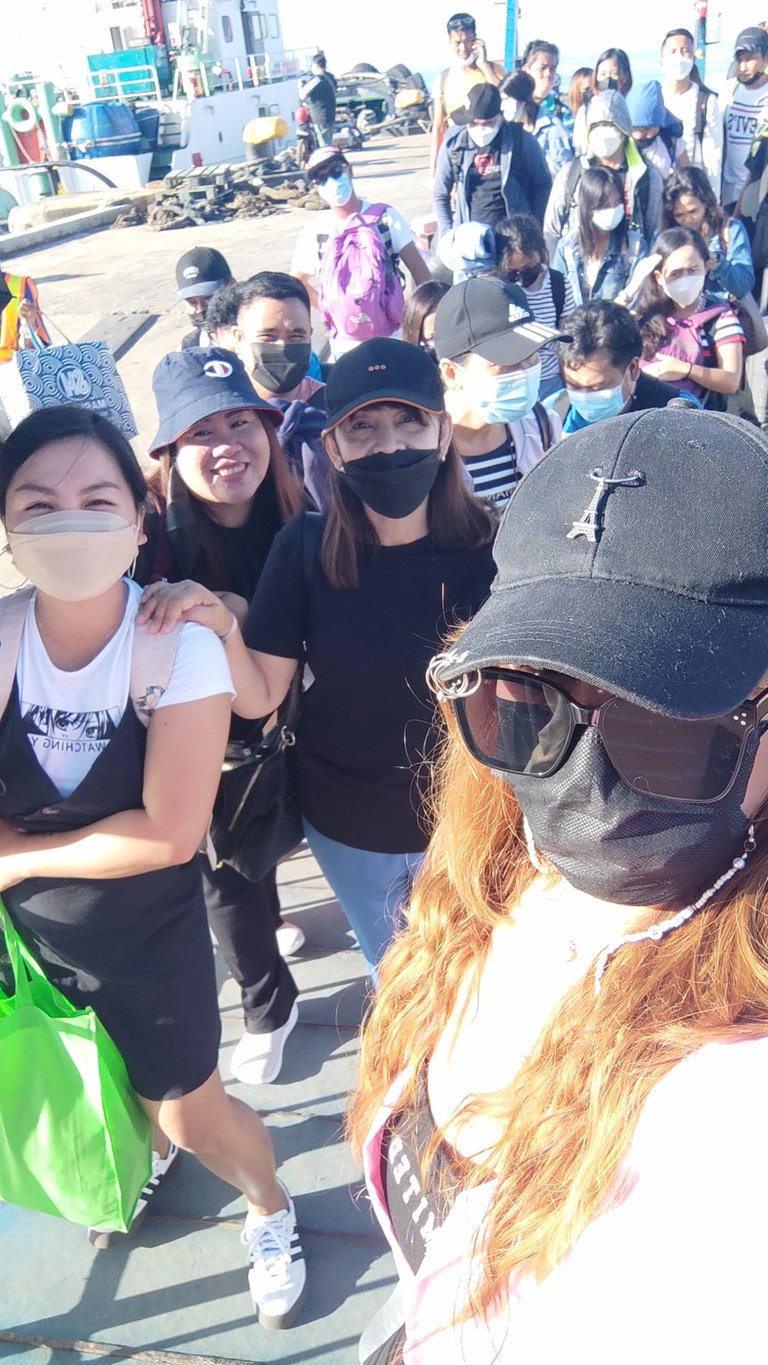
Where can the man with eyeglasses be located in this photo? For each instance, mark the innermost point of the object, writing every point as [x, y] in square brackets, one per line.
[348, 216]
[469, 66]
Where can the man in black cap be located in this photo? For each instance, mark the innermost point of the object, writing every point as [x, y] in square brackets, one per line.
[745, 109]
[199, 273]
[495, 167]
[488, 343]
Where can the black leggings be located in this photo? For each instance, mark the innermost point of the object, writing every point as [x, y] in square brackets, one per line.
[244, 916]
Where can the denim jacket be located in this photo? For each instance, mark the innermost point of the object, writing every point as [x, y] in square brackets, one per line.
[615, 270]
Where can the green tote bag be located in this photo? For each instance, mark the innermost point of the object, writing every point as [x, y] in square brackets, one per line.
[74, 1140]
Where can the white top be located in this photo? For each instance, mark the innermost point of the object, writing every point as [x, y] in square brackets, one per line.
[317, 232]
[707, 152]
[70, 717]
[745, 111]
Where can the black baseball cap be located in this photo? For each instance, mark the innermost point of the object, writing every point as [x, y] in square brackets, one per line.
[752, 39]
[653, 584]
[197, 382]
[200, 272]
[382, 370]
[490, 317]
[483, 102]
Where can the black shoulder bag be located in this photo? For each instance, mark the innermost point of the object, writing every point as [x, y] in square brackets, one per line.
[256, 816]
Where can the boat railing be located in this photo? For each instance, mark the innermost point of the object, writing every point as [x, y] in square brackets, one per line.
[125, 83]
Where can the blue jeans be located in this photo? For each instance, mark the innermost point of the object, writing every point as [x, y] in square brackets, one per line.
[371, 888]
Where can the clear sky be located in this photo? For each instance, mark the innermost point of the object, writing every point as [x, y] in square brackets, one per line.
[414, 33]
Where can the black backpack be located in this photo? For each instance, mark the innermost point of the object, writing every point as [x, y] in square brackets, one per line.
[702, 100]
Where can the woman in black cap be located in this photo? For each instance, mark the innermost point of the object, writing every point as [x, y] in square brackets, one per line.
[562, 1104]
[111, 752]
[222, 492]
[368, 590]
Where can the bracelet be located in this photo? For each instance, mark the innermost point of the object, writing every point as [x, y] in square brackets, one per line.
[225, 639]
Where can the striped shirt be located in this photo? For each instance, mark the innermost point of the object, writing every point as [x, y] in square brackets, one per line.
[496, 474]
[542, 304]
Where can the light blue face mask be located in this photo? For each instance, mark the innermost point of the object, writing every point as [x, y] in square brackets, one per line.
[600, 403]
[507, 397]
[336, 193]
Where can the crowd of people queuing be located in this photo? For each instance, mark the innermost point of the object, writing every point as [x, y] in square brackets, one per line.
[531, 755]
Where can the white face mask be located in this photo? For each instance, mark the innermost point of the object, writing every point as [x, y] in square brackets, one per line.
[604, 140]
[482, 134]
[608, 219]
[685, 289]
[510, 109]
[74, 556]
[676, 68]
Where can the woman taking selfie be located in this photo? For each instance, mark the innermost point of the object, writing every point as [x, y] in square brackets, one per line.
[221, 493]
[368, 591]
[561, 1107]
[101, 816]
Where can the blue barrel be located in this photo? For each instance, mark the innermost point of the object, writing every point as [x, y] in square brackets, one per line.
[102, 129]
[148, 120]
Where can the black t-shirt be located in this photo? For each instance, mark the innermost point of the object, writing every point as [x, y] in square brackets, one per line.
[368, 718]
[320, 97]
[486, 201]
[651, 393]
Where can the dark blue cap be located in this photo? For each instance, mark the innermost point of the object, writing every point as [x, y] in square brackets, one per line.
[197, 382]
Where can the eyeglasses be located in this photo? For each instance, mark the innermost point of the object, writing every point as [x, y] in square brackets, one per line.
[515, 723]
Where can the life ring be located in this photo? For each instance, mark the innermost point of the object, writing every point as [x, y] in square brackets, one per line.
[21, 114]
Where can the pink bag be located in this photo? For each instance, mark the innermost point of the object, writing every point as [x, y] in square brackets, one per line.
[359, 291]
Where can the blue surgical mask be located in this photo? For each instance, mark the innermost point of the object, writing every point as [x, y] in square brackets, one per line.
[336, 193]
[600, 403]
[506, 397]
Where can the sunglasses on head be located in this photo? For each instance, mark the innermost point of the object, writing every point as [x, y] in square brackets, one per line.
[461, 21]
[517, 723]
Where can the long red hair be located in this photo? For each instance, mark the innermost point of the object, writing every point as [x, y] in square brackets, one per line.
[569, 1113]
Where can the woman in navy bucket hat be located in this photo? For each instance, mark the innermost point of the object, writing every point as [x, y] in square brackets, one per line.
[222, 492]
[562, 1104]
[368, 590]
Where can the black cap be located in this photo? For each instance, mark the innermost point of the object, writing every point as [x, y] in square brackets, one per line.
[483, 102]
[752, 39]
[200, 272]
[198, 382]
[491, 318]
[382, 370]
[653, 584]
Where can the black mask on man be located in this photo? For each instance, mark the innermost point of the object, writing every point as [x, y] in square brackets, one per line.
[280, 366]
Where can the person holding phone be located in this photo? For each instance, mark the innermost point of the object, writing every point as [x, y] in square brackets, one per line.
[469, 66]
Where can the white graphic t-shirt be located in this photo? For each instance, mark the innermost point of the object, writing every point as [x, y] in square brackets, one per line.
[70, 717]
[745, 113]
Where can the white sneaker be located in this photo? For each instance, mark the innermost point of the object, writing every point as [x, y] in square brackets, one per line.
[289, 938]
[278, 1274]
[258, 1057]
[101, 1238]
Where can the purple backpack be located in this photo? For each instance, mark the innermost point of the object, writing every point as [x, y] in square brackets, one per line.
[359, 290]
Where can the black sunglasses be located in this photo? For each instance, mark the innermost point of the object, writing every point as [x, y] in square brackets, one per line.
[516, 723]
[333, 171]
[461, 21]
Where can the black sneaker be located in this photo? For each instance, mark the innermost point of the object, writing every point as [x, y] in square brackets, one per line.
[162, 1166]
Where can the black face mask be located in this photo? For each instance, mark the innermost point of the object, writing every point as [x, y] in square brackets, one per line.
[526, 277]
[393, 485]
[621, 845]
[607, 83]
[758, 76]
[198, 319]
[280, 366]
[642, 142]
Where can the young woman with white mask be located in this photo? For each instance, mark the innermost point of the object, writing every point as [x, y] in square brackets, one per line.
[690, 338]
[599, 256]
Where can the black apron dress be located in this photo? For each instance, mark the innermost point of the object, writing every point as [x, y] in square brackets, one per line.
[137, 949]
